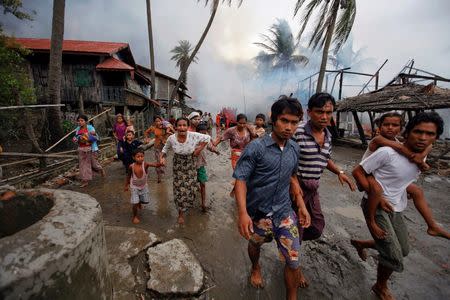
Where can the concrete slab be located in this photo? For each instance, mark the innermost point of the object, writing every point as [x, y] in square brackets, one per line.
[124, 243]
[174, 269]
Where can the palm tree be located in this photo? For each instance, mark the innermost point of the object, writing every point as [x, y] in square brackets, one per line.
[152, 53]
[333, 25]
[214, 6]
[181, 57]
[280, 48]
[54, 71]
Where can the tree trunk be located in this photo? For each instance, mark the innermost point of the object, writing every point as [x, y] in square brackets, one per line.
[152, 53]
[193, 54]
[54, 71]
[326, 47]
[27, 123]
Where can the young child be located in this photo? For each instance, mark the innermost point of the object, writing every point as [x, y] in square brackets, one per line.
[202, 176]
[390, 125]
[137, 182]
[127, 147]
[260, 121]
[130, 125]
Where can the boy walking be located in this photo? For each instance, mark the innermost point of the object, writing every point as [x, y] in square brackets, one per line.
[137, 176]
[127, 148]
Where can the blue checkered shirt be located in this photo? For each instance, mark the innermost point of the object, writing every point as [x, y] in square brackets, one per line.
[267, 170]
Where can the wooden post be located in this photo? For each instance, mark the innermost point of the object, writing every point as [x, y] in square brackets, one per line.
[376, 80]
[372, 124]
[80, 101]
[360, 129]
[340, 84]
[338, 119]
[409, 115]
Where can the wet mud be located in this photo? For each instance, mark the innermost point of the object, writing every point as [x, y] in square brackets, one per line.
[331, 264]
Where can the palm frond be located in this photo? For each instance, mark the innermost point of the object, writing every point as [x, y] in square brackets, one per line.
[306, 16]
[262, 45]
[300, 59]
[344, 24]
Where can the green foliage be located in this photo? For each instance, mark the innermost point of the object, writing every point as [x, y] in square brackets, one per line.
[67, 126]
[181, 54]
[279, 49]
[15, 83]
[14, 7]
[342, 12]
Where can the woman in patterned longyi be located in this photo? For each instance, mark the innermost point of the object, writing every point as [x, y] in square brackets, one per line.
[186, 146]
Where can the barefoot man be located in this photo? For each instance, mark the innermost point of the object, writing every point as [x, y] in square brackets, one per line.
[394, 173]
[263, 175]
[314, 140]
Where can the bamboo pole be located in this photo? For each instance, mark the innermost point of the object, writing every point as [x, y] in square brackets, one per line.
[64, 137]
[30, 106]
[23, 161]
[50, 155]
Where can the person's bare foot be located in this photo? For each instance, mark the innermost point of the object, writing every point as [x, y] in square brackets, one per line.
[361, 250]
[438, 232]
[376, 231]
[136, 220]
[256, 279]
[180, 220]
[84, 184]
[382, 292]
[302, 282]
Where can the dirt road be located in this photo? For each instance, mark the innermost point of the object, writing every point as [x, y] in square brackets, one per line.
[331, 264]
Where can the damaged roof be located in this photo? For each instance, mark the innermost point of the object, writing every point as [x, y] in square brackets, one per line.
[408, 96]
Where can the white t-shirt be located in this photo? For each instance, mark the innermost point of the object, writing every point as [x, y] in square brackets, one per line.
[393, 172]
[188, 147]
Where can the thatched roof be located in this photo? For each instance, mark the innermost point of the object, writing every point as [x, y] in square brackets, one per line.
[409, 96]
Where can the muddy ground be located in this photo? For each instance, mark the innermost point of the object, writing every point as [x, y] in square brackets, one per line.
[331, 264]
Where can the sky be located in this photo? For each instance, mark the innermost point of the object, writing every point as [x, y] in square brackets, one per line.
[394, 30]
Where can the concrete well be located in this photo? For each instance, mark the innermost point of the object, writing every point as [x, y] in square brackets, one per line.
[52, 246]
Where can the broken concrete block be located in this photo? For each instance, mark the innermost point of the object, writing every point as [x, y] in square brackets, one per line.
[174, 269]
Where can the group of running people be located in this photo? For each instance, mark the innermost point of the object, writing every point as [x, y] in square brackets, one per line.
[277, 177]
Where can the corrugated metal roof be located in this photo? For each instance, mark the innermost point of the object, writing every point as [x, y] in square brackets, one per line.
[75, 46]
[112, 63]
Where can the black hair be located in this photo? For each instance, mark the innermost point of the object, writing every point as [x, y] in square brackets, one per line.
[381, 119]
[81, 116]
[425, 117]
[199, 111]
[202, 126]
[138, 150]
[128, 131]
[260, 116]
[157, 117]
[241, 116]
[284, 105]
[320, 99]
[181, 119]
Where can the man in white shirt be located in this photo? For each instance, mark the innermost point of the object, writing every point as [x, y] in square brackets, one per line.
[394, 173]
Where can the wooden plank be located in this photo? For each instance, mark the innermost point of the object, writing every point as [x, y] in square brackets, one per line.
[30, 106]
[50, 155]
[360, 129]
